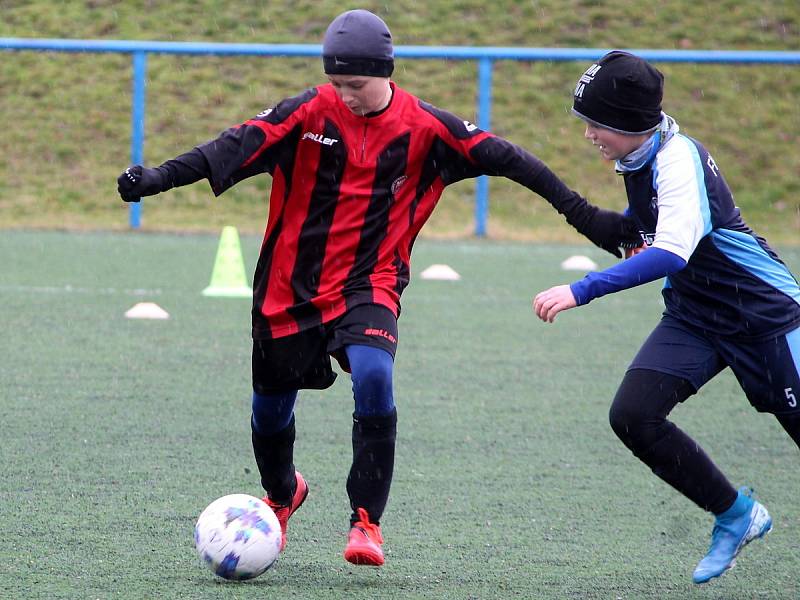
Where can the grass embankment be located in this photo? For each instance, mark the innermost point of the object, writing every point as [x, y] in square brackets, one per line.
[67, 117]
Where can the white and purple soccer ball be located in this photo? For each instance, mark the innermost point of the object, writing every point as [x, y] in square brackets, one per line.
[238, 537]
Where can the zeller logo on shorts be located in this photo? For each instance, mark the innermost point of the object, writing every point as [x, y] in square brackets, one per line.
[319, 138]
[380, 333]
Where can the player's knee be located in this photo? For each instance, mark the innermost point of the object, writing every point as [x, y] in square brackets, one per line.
[636, 429]
[630, 418]
[372, 391]
[272, 412]
[372, 383]
[623, 419]
[638, 414]
[373, 377]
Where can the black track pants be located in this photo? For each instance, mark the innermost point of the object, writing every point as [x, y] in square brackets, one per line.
[638, 417]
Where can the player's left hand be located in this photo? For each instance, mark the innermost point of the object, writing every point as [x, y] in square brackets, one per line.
[549, 303]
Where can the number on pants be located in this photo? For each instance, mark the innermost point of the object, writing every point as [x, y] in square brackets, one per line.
[790, 397]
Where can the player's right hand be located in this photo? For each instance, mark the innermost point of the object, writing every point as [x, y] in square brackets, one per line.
[138, 181]
[549, 303]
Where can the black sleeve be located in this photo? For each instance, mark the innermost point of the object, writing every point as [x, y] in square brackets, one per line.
[184, 169]
[500, 157]
[230, 157]
[241, 152]
[450, 156]
[460, 156]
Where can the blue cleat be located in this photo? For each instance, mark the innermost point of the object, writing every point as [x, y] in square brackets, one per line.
[745, 521]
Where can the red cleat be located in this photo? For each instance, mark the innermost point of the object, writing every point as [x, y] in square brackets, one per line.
[283, 512]
[364, 544]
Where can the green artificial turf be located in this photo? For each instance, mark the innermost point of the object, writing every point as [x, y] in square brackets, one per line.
[509, 482]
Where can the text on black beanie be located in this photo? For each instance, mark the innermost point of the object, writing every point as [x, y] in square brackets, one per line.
[621, 92]
[358, 42]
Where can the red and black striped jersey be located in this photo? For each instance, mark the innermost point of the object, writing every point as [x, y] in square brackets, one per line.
[350, 194]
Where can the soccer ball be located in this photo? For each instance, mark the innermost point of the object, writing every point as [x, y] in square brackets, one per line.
[238, 536]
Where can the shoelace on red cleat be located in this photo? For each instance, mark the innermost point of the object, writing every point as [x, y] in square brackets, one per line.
[373, 531]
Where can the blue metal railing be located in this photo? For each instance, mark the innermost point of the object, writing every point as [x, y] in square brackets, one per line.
[485, 57]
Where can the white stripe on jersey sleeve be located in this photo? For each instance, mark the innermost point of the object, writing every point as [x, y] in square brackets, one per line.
[683, 213]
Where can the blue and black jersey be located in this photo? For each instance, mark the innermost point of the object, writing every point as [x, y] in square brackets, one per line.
[733, 284]
[721, 276]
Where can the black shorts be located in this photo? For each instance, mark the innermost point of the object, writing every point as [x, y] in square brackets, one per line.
[766, 369]
[302, 360]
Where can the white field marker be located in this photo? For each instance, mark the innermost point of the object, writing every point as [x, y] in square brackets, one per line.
[578, 263]
[146, 310]
[441, 272]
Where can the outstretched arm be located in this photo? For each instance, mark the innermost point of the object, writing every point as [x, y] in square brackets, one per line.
[607, 229]
[642, 267]
[485, 153]
[138, 181]
[237, 153]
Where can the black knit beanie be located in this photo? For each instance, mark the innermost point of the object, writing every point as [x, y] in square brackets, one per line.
[358, 42]
[621, 92]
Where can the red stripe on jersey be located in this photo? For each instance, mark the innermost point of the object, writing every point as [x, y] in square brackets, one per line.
[348, 220]
[279, 293]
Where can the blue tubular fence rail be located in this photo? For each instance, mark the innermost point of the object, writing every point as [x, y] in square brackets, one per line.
[484, 56]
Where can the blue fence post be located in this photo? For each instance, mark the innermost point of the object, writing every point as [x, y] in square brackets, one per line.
[485, 123]
[137, 128]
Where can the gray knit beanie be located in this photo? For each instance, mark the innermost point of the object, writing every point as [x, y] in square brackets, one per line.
[358, 42]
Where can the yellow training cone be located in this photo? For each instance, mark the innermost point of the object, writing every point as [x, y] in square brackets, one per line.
[228, 279]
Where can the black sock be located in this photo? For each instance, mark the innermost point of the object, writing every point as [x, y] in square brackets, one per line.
[373, 463]
[274, 454]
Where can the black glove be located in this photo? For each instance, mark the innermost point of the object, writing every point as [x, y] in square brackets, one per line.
[138, 181]
[605, 228]
[611, 230]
